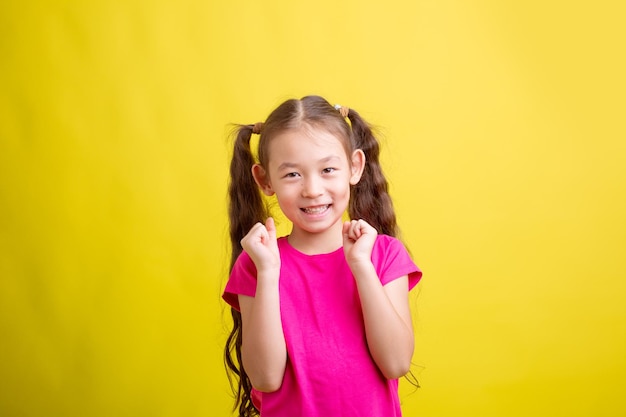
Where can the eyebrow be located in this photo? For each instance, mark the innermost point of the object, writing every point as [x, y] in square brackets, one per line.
[286, 165]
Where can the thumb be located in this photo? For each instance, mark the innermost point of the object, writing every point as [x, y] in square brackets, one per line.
[271, 228]
[346, 230]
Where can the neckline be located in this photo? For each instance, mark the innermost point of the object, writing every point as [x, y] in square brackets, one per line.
[289, 247]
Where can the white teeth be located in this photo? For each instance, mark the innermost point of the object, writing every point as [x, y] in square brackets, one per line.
[315, 210]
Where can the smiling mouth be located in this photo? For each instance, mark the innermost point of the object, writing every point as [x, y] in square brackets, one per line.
[316, 209]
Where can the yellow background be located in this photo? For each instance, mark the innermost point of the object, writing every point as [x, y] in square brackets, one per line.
[504, 143]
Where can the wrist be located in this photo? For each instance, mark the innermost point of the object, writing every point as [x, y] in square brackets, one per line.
[270, 274]
[361, 267]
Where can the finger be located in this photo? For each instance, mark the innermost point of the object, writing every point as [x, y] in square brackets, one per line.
[347, 240]
[346, 228]
[270, 226]
[259, 230]
[251, 232]
[257, 233]
[357, 229]
[365, 227]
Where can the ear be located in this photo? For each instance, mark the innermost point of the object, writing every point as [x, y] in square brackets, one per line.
[357, 167]
[262, 179]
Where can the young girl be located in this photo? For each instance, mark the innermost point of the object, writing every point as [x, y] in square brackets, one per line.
[322, 325]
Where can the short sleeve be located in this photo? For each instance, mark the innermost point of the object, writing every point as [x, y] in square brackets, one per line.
[242, 281]
[392, 261]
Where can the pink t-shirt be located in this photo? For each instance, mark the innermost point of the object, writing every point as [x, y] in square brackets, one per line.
[329, 368]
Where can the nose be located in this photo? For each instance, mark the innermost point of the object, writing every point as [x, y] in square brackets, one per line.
[311, 187]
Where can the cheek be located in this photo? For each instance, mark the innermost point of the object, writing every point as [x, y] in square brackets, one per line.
[344, 188]
[286, 194]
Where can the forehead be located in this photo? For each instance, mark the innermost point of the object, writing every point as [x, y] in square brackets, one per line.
[305, 143]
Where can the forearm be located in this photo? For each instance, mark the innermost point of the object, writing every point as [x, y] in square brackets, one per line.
[389, 333]
[264, 353]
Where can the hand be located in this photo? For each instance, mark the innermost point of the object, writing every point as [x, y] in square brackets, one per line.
[358, 241]
[260, 243]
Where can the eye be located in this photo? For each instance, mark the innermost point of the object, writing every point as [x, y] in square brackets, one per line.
[328, 170]
[292, 175]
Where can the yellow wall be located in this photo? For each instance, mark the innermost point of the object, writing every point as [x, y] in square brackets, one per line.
[504, 144]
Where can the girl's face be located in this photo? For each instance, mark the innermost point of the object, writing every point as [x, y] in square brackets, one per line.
[310, 174]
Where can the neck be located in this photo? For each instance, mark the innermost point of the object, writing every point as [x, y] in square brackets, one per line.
[317, 243]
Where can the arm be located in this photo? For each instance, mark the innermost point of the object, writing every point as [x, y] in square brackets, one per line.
[386, 311]
[388, 325]
[263, 350]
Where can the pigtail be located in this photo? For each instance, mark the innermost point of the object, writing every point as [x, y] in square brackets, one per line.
[246, 208]
[370, 199]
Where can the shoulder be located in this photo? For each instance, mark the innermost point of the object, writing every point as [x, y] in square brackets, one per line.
[241, 281]
[392, 260]
[243, 263]
[388, 244]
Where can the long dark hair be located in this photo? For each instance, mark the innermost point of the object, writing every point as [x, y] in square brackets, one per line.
[369, 199]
